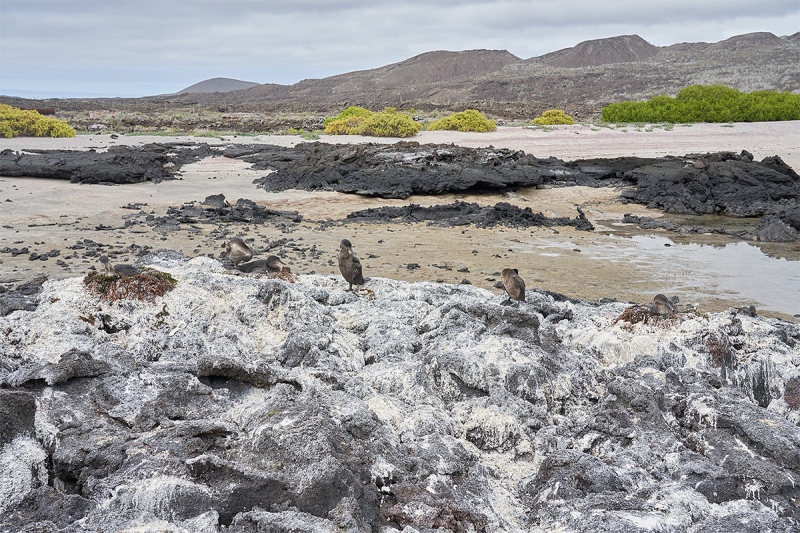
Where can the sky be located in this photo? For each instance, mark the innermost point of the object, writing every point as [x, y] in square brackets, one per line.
[131, 48]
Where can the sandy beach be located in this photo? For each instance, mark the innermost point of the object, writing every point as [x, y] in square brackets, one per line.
[616, 260]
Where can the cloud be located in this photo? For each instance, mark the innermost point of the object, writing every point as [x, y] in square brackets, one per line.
[164, 45]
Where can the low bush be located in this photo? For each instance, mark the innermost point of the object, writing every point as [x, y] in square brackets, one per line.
[346, 122]
[351, 112]
[307, 135]
[468, 120]
[15, 122]
[359, 121]
[389, 123]
[553, 117]
[708, 103]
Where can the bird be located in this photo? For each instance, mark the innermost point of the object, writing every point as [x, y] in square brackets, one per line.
[662, 305]
[238, 251]
[349, 265]
[121, 269]
[271, 264]
[513, 284]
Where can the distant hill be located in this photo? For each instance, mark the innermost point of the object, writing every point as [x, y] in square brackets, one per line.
[580, 80]
[622, 49]
[217, 85]
[396, 82]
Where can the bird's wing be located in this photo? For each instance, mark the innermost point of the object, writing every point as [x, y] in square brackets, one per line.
[359, 277]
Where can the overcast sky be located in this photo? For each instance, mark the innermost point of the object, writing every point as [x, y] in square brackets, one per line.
[89, 48]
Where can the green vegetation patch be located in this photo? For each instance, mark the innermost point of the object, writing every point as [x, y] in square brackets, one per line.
[359, 121]
[708, 103]
[307, 135]
[468, 120]
[146, 286]
[553, 117]
[15, 122]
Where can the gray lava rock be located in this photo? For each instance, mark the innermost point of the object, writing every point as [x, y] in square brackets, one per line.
[24, 296]
[17, 410]
[117, 165]
[724, 183]
[462, 213]
[781, 227]
[260, 405]
[407, 167]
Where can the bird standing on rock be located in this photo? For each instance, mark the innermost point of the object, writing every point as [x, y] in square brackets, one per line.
[349, 265]
[513, 284]
[121, 270]
[238, 251]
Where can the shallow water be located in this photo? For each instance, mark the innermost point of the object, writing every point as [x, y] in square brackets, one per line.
[714, 221]
[733, 270]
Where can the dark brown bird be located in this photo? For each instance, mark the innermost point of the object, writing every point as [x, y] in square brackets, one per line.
[238, 251]
[119, 270]
[271, 264]
[662, 306]
[349, 265]
[513, 284]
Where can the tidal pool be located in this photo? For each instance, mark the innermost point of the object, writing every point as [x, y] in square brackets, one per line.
[734, 269]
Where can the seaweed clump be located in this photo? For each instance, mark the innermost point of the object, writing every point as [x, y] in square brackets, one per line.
[148, 285]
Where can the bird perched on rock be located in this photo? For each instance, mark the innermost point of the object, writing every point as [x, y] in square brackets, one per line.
[513, 284]
[662, 305]
[349, 265]
[120, 270]
[271, 264]
[238, 251]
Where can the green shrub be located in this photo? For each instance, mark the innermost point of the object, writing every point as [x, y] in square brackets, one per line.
[16, 122]
[351, 112]
[344, 122]
[342, 126]
[307, 135]
[708, 103]
[389, 123]
[553, 117]
[468, 120]
[359, 121]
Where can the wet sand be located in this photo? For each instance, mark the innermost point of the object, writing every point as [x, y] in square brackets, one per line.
[615, 260]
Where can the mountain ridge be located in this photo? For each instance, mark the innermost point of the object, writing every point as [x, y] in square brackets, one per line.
[596, 52]
[580, 79]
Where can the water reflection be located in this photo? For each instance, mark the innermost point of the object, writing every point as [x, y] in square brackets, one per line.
[736, 268]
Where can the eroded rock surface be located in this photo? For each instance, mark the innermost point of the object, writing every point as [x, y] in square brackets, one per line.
[262, 405]
[214, 209]
[407, 167]
[117, 165]
[462, 213]
[22, 297]
[721, 183]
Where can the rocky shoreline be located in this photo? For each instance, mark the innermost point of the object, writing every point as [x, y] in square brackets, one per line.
[262, 405]
[721, 183]
[246, 403]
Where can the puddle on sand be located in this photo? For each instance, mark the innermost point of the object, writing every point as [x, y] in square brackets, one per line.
[732, 269]
[715, 269]
[713, 221]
